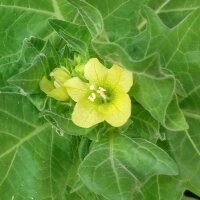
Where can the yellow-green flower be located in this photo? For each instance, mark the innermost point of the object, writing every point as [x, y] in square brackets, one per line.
[55, 88]
[104, 98]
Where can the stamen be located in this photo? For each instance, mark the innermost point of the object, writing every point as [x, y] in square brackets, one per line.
[92, 97]
[51, 74]
[103, 96]
[102, 89]
[92, 87]
[98, 93]
[56, 84]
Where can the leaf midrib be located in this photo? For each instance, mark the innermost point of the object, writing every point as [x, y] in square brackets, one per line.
[57, 13]
[28, 9]
[18, 119]
[25, 139]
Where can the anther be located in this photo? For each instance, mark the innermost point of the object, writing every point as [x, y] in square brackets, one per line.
[92, 87]
[102, 89]
[92, 97]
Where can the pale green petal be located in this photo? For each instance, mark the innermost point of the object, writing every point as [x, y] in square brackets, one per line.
[86, 114]
[95, 72]
[80, 69]
[59, 94]
[46, 85]
[77, 89]
[60, 74]
[119, 110]
[119, 77]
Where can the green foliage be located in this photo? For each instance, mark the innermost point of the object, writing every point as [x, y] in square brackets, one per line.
[155, 155]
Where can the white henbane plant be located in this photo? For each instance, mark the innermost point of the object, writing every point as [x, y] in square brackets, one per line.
[73, 128]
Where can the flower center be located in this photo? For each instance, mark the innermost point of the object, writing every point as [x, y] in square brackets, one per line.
[98, 94]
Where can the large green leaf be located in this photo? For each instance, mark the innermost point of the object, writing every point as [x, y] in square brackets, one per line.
[156, 95]
[21, 19]
[186, 145]
[123, 163]
[178, 47]
[120, 17]
[173, 12]
[34, 160]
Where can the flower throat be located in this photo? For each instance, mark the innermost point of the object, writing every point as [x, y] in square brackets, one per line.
[98, 95]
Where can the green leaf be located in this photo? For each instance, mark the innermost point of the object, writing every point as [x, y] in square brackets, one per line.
[75, 35]
[59, 115]
[190, 104]
[64, 124]
[174, 12]
[113, 53]
[124, 163]
[28, 80]
[174, 118]
[183, 53]
[34, 160]
[163, 187]
[185, 146]
[22, 19]
[156, 96]
[119, 17]
[30, 49]
[41, 149]
[91, 16]
[143, 125]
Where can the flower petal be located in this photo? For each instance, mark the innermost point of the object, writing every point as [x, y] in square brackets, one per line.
[46, 85]
[60, 74]
[86, 114]
[76, 88]
[59, 94]
[119, 77]
[119, 110]
[95, 72]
